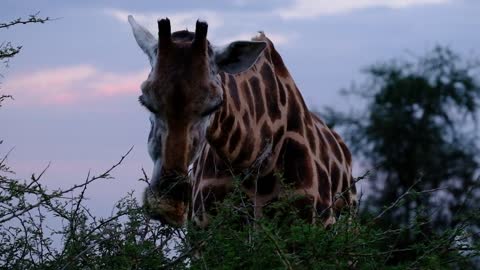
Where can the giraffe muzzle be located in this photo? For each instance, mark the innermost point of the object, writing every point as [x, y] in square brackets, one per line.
[168, 200]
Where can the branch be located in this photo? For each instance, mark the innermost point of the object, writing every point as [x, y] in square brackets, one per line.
[341, 195]
[9, 51]
[399, 199]
[56, 194]
[31, 19]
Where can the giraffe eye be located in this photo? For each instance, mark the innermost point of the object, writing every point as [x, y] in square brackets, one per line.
[146, 105]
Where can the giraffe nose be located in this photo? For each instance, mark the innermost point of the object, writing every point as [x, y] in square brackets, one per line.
[174, 185]
[168, 198]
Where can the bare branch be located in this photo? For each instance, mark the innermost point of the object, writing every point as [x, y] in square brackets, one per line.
[46, 197]
[31, 19]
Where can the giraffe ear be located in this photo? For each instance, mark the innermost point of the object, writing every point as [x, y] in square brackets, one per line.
[238, 56]
[144, 39]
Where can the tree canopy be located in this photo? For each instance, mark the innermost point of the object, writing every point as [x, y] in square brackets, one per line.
[419, 129]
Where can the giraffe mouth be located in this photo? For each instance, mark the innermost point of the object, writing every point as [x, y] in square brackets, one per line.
[168, 202]
[169, 212]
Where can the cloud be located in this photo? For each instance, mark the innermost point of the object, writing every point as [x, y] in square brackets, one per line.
[307, 9]
[66, 85]
[110, 84]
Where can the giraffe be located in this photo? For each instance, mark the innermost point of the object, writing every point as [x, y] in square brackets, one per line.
[224, 110]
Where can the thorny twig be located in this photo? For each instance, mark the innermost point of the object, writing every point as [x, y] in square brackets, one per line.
[399, 199]
[31, 19]
[58, 193]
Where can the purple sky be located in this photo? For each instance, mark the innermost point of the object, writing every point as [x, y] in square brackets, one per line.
[76, 81]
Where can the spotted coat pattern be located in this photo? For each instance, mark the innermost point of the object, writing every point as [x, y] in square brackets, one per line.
[264, 123]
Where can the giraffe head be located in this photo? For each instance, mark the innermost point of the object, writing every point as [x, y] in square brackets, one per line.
[182, 92]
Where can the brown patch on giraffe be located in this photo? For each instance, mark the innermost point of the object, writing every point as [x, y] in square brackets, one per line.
[346, 152]
[308, 117]
[228, 124]
[224, 108]
[246, 150]
[266, 132]
[346, 180]
[294, 119]
[271, 90]
[233, 141]
[321, 142]
[323, 183]
[246, 119]
[346, 186]
[281, 92]
[333, 144]
[232, 87]
[277, 61]
[325, 157]
[311, 139]
[256, 91]
[335, 177]
[220, 115]
[221, 140]
[297, 164]
[324, 211]
[245, 88]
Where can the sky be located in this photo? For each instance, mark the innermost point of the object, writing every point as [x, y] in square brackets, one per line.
[76, 80]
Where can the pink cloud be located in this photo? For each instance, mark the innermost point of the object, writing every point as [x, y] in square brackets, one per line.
[71, 84]
[114, 84]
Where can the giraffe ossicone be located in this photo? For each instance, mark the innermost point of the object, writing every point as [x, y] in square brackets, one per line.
[224, 110]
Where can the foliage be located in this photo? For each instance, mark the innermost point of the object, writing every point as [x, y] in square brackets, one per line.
[419, 128]
[40, 229]
[234, 239]
[7, 50]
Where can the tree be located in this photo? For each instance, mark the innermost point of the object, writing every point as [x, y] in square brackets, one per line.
[7, 49]
[419, 127]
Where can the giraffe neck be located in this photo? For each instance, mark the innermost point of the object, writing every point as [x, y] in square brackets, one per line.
[260, 107]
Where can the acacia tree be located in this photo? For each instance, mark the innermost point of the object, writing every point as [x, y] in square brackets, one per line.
[419, 128]
[7, 50]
